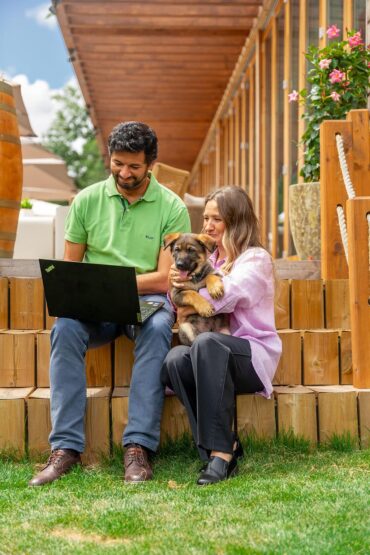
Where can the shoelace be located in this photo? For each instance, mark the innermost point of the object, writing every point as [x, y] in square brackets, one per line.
[55, 458]
[135, 454]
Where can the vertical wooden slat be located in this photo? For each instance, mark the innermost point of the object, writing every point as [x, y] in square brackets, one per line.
[323, 22]
[230, 161]
[237, 138]
[264, 153]
[303, 31]
[347, 16]
[273, 143]
[251, 142]
[218, 157]
[226, 151]
[243, 135]
[286, 125]
[257, 127]
[222, 161]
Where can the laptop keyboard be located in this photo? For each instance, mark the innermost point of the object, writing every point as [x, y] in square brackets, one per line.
[147, 308]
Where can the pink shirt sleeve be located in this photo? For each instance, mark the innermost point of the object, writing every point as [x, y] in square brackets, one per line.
[250, 279]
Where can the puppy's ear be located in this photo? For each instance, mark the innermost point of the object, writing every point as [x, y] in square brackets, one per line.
[169, 240]
[206, 241]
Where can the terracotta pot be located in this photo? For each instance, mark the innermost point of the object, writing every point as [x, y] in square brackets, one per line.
[304, 219]
[11, 171]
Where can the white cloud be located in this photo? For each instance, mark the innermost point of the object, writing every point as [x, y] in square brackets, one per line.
[40, 105]
[42, 16]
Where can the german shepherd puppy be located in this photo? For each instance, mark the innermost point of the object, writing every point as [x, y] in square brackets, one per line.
[190, 253]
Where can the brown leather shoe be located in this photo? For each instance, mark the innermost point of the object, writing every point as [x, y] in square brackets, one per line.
[137, 467]
[60, 462]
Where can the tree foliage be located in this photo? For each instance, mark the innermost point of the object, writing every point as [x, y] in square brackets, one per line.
[71, 136]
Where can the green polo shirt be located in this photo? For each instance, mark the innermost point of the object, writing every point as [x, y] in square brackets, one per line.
[123, 234]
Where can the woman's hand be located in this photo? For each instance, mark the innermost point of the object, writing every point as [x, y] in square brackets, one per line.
[176, 278]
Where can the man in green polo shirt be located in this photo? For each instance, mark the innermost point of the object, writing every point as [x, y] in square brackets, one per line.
[119, 221]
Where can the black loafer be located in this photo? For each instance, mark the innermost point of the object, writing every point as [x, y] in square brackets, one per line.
[216, 470]
[238, 453]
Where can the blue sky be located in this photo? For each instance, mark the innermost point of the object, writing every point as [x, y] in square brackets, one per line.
[31, 44]
[33, 53]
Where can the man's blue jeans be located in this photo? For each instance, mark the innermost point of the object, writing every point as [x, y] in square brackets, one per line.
[70, 340]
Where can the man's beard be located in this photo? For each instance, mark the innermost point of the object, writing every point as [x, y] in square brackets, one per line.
[130, 186]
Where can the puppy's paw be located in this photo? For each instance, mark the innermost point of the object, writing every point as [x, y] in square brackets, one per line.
[205, 309]
[215, 286]
[216, 290]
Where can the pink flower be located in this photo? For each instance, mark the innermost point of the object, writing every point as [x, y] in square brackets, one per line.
[336, 76]
[293, 96]
[335, 96]
[355, 40]
[368, 65]
[333, 32]
[325, 63]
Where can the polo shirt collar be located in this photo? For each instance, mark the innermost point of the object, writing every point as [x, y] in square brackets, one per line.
[150, 194]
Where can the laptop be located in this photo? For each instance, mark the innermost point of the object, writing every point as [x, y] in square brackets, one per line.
[94, 292]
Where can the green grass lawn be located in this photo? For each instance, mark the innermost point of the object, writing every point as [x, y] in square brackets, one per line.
[286, 499]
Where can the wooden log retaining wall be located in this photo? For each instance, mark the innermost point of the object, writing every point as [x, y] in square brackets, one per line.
[313, 393]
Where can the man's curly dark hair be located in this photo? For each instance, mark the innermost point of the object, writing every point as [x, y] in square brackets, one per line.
[134, 136]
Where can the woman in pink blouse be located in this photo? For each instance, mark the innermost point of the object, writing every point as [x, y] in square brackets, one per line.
[207, 375]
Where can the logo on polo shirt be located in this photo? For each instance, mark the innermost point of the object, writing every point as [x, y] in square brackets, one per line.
[149, 237]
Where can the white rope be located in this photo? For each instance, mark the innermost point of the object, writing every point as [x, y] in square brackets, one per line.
[351, 194]
[344, 167]
[343, 230]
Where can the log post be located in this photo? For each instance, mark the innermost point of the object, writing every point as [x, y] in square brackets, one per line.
[359, 288]
[356, 140]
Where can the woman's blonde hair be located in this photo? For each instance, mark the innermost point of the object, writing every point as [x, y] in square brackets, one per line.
[241, 223]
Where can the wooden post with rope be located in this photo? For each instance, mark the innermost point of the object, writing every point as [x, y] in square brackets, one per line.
[358, 225]
[355, 135]
[345, 172]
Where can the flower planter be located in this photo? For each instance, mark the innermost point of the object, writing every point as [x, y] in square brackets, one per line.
[304, 219]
